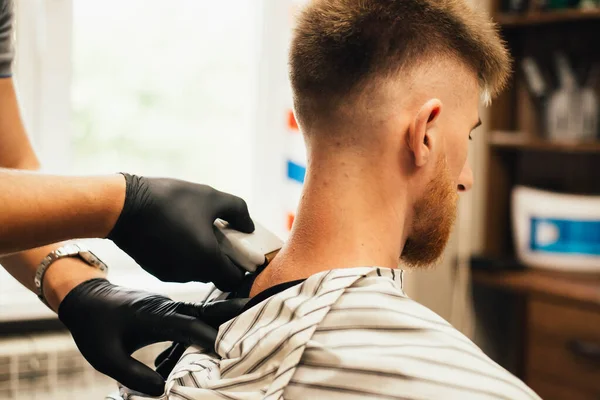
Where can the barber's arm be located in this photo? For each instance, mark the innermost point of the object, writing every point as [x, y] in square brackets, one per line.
[31, 214]
[165, 225]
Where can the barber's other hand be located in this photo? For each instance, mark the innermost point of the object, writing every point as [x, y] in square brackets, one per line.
[166, 226]
[215, 313]
[109, 323]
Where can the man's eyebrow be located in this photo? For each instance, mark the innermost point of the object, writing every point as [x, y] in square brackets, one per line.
[477, 125]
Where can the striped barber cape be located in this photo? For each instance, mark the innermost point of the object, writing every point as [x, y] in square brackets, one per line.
[340, 334]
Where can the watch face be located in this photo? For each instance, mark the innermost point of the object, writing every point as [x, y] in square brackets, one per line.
[91, 259]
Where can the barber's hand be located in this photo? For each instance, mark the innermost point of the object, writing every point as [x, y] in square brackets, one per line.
[166, 226]
[109, 323]
[215, 314]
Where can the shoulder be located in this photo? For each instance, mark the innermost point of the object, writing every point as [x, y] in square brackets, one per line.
[375, 341]
[424, 371]
[378, 304]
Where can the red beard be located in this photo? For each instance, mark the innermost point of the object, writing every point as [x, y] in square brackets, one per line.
[435, 214]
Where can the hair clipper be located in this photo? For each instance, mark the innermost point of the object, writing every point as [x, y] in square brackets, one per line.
[247, 250]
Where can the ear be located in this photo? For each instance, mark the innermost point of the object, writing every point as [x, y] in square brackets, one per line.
[420, 140]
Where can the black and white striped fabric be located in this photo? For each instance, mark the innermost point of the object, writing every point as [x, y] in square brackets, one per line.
[341, 334]
[6, 34]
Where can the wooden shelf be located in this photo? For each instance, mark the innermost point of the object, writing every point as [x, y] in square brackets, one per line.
[546, 17]
[578, 287]
[518, 141]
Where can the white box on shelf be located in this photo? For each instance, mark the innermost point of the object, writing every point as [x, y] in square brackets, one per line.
[556, 231]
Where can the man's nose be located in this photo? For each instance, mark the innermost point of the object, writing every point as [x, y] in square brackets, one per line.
[465, 180]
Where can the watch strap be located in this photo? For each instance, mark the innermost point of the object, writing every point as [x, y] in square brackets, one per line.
[68, 250]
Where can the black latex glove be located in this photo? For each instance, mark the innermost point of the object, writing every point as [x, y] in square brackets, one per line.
[215, 314]
[166, 226]
[109, 323]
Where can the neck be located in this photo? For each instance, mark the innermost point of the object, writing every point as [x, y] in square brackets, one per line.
[351, 215]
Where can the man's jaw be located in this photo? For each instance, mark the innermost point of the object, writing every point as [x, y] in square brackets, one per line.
[435, 213]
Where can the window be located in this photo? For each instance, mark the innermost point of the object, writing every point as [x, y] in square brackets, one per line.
[165, 88]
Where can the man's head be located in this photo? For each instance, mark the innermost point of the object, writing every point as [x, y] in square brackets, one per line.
[398, 83]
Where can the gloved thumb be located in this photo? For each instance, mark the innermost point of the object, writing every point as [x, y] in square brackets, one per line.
[230, 275]
[135, 375]
[166, 361]
[234, 210]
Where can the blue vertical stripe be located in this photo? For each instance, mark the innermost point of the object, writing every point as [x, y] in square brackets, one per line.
[296, 172]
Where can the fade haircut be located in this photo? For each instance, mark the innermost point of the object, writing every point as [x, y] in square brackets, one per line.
[342, 48]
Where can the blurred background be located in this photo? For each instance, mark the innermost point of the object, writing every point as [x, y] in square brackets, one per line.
[198, 90]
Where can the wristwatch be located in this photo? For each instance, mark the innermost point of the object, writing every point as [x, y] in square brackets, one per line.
[68, 250]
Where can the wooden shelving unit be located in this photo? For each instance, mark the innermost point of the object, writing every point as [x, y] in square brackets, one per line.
[549, 311]
[517, 152]
[577, 287]
[518, 141]
[546, 17]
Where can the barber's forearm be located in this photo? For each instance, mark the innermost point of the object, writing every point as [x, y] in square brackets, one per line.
[40, 209]
[31, 203]
[37, 209]
[62, 276]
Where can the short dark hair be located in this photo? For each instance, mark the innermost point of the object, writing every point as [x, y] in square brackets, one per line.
[340, 46]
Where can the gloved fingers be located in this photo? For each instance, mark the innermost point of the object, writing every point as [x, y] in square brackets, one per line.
[214, 313]
[164, 354]
[167, 353]
[171, 356]
[229, 275]
[133, 374]
[187, 330]
[234, 210]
